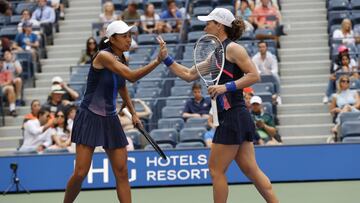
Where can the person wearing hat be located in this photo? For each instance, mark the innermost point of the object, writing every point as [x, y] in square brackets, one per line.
[27, 40]
[96, 122]
[54, 102]
[70, 95]
[233, 139]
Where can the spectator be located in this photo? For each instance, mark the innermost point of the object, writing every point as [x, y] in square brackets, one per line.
[44, 13]
[4, 6]
[27, 40]
[248, 94]
[209, 135]
[198, 106]
[70, 114]
[345, 34]
[172, 18]
[26, 17]
[91, 49]
[54, 102]
[132, 17]
[35, 108]
[108, 14]
[243, 9]
[7, 87]
[59, 8]
[12, 65]
[264, 122]
[150, 20]
[38, 133]
[266, 15]
[69, 94]
[127, 123]
[61, 136]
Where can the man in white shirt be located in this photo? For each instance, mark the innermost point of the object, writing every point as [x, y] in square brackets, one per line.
[37, 133]
[266, 63]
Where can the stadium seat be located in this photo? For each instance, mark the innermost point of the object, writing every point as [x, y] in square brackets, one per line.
[15, 19]
[146, 39]
[148, 92]
[263, 87]
[195, 134]
[350, 128]
[338, 5]
[139, 57]
[355, 84]
[176, 123]
[31, 6]
[248, 35]
[197, 25]
[181, 91]
[348, 116]
[267, 106]
[135, 137]
[202, 10]
[9, 32]
[196, 122]
[171, 38]
[355, 5]
[172, 112]
[198, 3]
[163, 146]
[150, 83]
[176, 101]
[189, 145]
[157, 3]
[166, 135]
[351, 139]
[265, 96]
[194, 36]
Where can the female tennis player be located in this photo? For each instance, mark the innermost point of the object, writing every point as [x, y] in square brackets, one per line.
[233, 139]
[96, 123]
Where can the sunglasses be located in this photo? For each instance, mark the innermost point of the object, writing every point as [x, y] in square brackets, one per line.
[345, 81]
[61, 116]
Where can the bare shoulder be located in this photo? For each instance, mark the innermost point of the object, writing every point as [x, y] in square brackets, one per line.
[101, 58]
[235, 51]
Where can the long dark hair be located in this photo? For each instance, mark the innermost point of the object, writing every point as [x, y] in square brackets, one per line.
[237, 29]
[88, 51]
[65, 119]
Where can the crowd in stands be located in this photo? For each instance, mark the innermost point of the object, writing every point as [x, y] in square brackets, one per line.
[163, 102]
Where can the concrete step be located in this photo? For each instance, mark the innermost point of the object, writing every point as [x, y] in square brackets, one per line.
[302, 5]
[76, 46]
[77, 4]
[304, 130]
[306, 24]
[10, 131]
[303, 88]
[304, 57]
[10, 142]
[61, 61]
[49, 75]
[302, 98]
[14, 121]
[45, 83]
[291, 17]
[304, 64]
[70, 28]
[85, 21]
[313, 139]
[64, 53]
[72, 34]
[304, 119]
[304, 50]
[306, 30]
[21, 110]
[306, 71]
[37, 91]
[303, 43]
[83, 15]
[84, 8]
[55, 68]
[74, 40]
[290, 12]
[304, 79]
[309, 36]
[302, 108]
[8, 151]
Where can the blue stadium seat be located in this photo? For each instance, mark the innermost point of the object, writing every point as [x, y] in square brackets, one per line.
[169, 136]
[9, 32]
[355, 84]
[196, 123]
[265, 32]
[198, 3]
[265, 96]
[269, 78]
[197, 25]
[157, 3]
[15, 19]
[181, 91]
[248, 35]
[150, 83]
[172, 112]
[355, 5]
[349, 116]
[146, 39]
[351, 139]
[175, 123]
[23, 5]
[202, 10]
[268, 108]
[264, 87]
[171, 38]
[225, 3]
[195, 134]
[148, 92]
[163, 146]
[135, 137]
[194, 36]
[176, 101]
[139, 57]
[181, 82]
[189, 145]
[350, 128]
[338, 5]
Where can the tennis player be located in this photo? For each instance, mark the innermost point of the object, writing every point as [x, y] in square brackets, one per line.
[96, 122]
[233, 139]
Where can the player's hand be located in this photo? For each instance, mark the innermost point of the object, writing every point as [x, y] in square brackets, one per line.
[163, 53]
[216, 90]
[136, 120]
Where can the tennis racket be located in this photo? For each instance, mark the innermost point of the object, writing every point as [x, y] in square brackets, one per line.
[209, 61]
[146, 135]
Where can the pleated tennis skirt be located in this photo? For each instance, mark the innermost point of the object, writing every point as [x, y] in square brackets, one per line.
[235, 127]
[94, 130]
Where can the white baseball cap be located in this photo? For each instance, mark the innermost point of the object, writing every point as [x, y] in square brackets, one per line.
[57, 79]
[117, 27]
[256, 99]
[220, 15]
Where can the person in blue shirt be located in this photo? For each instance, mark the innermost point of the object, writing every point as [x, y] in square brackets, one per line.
[171, 17]
[96, 122]
[27, 40]
[197, 107]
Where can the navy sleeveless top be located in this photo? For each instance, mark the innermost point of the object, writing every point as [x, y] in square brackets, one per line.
[102, 89]
[231, 72]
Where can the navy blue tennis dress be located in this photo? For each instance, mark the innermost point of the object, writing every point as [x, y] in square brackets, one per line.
[96, 122]
[235, 122]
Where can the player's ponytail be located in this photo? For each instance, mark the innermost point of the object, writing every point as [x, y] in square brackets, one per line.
[104, 43]
[237, 29]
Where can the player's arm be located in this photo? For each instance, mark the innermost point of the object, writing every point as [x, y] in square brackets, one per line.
[237, 54]
[123, 91]
[183, 72]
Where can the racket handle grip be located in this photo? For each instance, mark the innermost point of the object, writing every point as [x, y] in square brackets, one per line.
[214, 113]
[127, 113]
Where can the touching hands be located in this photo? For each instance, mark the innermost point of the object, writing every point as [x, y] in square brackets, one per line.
[163, 53]
[216, 90]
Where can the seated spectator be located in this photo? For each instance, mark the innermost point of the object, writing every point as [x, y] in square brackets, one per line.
[264, 122]
[131, 16]
[150, 20]
[198, 106]
[171, 18]
[35, 108]
[243, 9]
[54, 102]
[26, 17]
[266, 15]
[69, 94]
[343, 67]
[273, 3]
[345, 100]
[248, 93]
[59, 8]
[61, 136]
[108, 14]
[27, 40]
[7, 88]
[70, 115]
[127, 123]
[14, 66]
[130, 146]
[44, 13]
[91, 49]
[345, 34]
[209, 135]
[38, 133]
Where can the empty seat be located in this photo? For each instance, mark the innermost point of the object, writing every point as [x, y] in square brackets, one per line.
[264, 87]
[200, 3]
[175, 123]
[9, 32]
[355, 5]
[181, 91]
[196, 122]
[350, 129]
[195, 134]
[336, 5]
[135, 137]
[21, 6]
[189, 145]
[349, 116]
[176, 101]
[171, 38]
[265, 96]
[202, 10]
[197, 25]
[351, 139]
[162, 146]
[145, 39]
[194, 35]
[148, 92]
[172, 112]
[267, 106]
[149, 83]
[166, 135]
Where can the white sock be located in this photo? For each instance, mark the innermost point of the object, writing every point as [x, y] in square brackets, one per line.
[12, 106]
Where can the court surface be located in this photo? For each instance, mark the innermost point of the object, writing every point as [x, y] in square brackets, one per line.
[315, 192]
